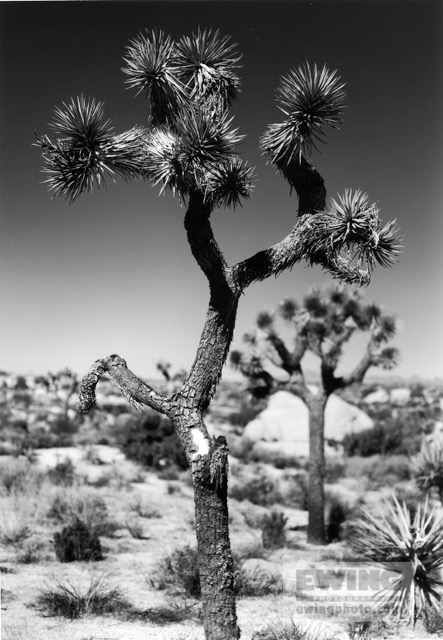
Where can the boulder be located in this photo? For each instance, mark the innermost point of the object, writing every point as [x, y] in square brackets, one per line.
[284, 424]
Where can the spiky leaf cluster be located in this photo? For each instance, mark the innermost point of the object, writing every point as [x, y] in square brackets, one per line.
[428, 468]
[86, 151]
[198, 153]
[201, 68]
[311, 99]
[152, 65]
[209, 66]
[407, 544]
[229, 182]
[388, 358]
[351, 228]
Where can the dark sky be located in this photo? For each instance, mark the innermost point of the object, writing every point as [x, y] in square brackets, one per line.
[112, 273]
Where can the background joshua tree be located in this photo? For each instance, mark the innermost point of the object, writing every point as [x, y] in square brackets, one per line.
[189, 148]
[323, 323]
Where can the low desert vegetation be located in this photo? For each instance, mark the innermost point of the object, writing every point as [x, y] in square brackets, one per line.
[70, 601]
[142, 511]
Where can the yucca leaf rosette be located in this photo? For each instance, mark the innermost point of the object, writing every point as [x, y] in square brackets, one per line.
[350, 233]
[85, 150]
[209, 66]
[311, 99]
[199, 153]
[152, 65]
[407, 544]
[229, 182]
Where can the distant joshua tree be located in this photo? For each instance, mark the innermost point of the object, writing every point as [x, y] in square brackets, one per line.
[189, 147]
[323, 323]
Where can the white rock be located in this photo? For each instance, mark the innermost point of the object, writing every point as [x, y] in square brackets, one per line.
[286, 420]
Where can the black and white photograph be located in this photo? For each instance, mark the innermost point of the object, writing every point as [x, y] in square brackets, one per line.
[221, 378]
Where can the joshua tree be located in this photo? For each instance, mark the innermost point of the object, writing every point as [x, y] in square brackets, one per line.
[322, 324]
[189, 147]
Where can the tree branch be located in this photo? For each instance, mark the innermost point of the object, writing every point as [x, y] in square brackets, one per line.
[303, 243]
[133, 389]
[203, 245]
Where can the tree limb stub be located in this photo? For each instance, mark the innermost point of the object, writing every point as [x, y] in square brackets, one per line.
[133, 389]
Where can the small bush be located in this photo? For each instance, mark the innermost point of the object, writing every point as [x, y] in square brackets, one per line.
[261, 491]
[179, 572]
[14, 528]
[335, 469]
[68, 601]
[273, 530]
[299, 491]
[87, 507]
[339, 513]
[135, 529]
[77, 542]
[380, 470]
[63, 473]
[29, 555]
[142, 510]
[151, 440]
[19, 476]
[255, 584]
[292, 630]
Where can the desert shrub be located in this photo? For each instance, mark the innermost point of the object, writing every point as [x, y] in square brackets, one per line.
[292, 630]
[30, 554]
[256, 583]
[410, 545]
[178, 572]
[151, 440]
[250, 551]
[63, 430]
[77, 542]
[137, 506]
[135, 529]
[335, 469]
[13, 530]
[338, 514]
[19, 476]
[273, 530]
[399, 434]
[298, 491]
[85, 506]
[260, 490]
[69, 601]
[63, 473]
[380, 470]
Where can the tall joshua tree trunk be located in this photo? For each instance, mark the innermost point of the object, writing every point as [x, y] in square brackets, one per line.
[316, 524]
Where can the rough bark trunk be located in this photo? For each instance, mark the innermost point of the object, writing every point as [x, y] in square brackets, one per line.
[208, 460]
[316, 522]
[214, 546]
